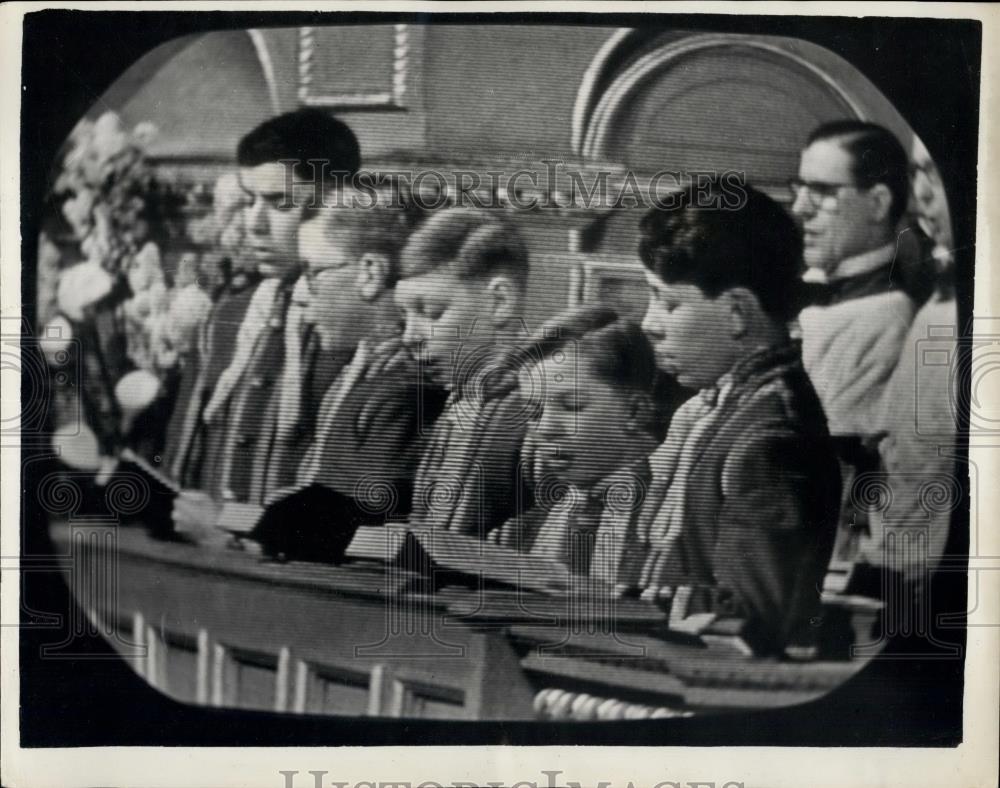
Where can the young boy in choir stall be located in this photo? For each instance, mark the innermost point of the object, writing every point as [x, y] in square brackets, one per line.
[462, 279]
[601, 413]
[358, 465]
[743, 505]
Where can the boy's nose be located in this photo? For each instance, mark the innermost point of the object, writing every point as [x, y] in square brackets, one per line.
[256, 221]
[412, 335]
[652, 327]
[550, 425]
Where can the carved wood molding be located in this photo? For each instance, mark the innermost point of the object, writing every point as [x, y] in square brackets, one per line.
[393, 97]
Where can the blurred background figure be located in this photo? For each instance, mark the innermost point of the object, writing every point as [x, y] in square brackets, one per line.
[908, 537]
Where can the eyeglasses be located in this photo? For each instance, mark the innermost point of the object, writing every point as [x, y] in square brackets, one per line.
[818, 193]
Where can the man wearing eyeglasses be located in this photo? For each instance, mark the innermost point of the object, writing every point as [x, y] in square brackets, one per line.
[850, 194]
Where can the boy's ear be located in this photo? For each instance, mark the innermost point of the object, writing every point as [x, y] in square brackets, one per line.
[504, 295]
[743, 305]
[373, 273]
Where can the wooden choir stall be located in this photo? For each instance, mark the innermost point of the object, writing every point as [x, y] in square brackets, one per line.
[423, 624]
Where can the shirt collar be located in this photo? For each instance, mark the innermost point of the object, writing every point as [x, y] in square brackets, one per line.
[865, 262]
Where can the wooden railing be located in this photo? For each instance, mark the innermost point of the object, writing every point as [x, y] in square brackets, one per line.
[222, 627]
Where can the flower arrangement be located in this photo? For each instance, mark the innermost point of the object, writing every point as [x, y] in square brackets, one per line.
[134, 321]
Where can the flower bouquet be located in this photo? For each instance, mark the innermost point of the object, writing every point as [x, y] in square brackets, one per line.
[131, 324]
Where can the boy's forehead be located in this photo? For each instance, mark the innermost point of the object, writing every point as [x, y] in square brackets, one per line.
[274, 178]
[270, 176]
[676, 290]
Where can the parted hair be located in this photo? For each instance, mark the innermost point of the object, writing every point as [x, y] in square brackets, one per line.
[877, 156]
[320, 145]
[615, 349]
[470, 243]
[756, 245]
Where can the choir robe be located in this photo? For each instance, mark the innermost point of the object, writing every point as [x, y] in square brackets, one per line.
[187, 434]
[594, 532]
[743, 505]
[470, 479]
[230, 441]
[358, 467]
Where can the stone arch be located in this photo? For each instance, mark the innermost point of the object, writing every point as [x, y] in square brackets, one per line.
[201, 91]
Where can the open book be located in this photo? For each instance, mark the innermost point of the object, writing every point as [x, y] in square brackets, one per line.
[429, 550]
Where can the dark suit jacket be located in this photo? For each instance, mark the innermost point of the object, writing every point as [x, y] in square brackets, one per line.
[761, 504]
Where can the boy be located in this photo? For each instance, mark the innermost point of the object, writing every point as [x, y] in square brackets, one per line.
[743, 506]
[365, 440]
[603, 414]
[462, 278]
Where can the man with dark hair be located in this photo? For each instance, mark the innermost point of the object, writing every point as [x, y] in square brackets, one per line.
[741, 512]
[234, 429]
[850, 194]
[462, 279]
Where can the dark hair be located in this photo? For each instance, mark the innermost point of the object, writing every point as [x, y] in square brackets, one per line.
[472, 243]
[756, 245]
[320, 146]
[616, 350]
[877, 157]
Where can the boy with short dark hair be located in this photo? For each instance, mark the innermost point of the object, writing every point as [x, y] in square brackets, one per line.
[743, 507]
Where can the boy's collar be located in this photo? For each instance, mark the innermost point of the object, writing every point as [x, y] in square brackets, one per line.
[779, 353]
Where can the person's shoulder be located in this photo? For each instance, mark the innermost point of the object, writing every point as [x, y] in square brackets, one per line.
[782, 399]
[865, 313]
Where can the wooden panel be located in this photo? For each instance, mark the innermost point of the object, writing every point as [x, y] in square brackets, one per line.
[714, 110]
[326, 690]
[225, 629]
[181, 662]
[618, 283]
